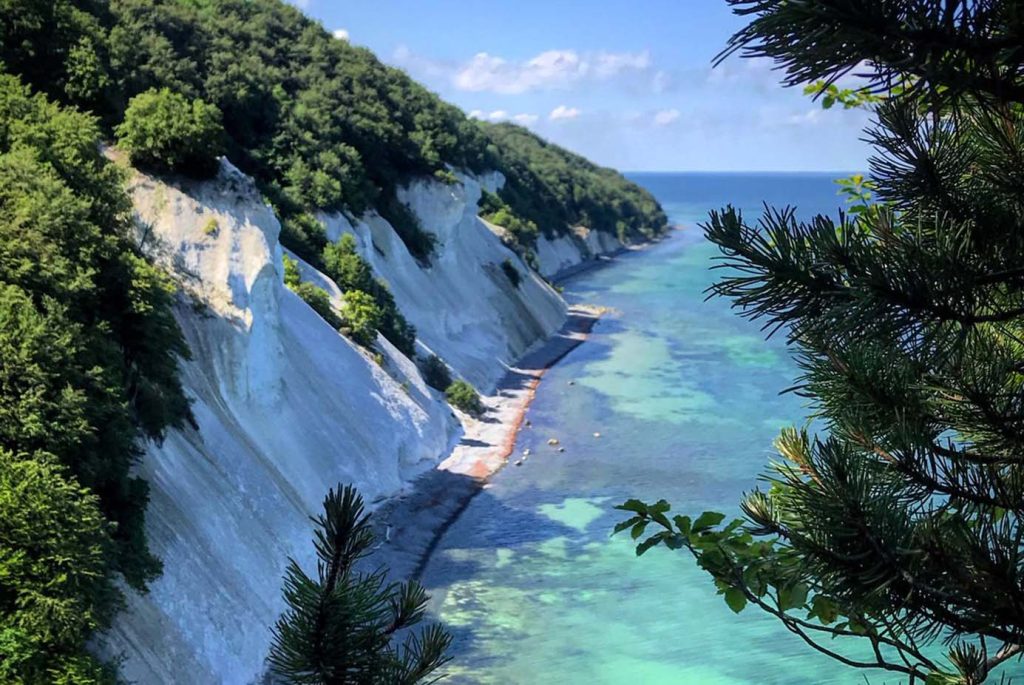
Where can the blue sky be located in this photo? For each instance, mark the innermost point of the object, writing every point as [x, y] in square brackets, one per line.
[627, 84]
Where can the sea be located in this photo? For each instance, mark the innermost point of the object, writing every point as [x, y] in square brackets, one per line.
[685, 395]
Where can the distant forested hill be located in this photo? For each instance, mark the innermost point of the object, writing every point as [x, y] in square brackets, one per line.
[321, 124]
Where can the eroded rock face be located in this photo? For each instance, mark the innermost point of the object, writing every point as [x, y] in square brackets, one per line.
[463, 304]
[287, 408]
[566, 252]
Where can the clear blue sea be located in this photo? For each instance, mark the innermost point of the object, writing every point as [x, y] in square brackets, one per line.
[686, 397]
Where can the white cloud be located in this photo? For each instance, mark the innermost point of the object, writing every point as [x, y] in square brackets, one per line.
[661, 82]
[611, 64]
[488, 73]
[811, 117]
[548, 70]
[340, 34]
[666, 117]
[502, 115]
[562, 113]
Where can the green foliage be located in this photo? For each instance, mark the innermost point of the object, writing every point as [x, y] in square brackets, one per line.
[447, 177]
[321, 124]
[55, 548]
[89, 354]
[342, 625]
[420, 243]
[211, 227]
[511, 272]
[362, 317]
[345, 267]
[435, 373]
[292, 275]
[900, 525]
[849, 98]
[316, 297]
[464, 396]
[523, 232]
[320, 301]
[555, 190]
[164, 132]
[351, 272]
[303, 234]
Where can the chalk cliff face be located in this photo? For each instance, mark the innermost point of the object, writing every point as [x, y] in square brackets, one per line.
[286, 407]
[463, 305]
[563, 253]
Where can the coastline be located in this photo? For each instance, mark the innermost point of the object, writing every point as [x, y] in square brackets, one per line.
[410, 525]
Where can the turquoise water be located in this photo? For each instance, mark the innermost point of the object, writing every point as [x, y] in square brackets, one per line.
[685, 396]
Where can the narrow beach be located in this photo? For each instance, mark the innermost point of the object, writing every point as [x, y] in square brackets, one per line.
[411, 524]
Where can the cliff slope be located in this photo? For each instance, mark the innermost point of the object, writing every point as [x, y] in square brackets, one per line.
[287, 407]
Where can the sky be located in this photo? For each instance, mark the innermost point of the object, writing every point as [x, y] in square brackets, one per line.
[627, 84]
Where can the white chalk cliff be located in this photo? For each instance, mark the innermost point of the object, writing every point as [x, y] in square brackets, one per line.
[286, 407]
[560, 254]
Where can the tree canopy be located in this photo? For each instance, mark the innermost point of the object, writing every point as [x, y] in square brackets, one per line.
[321, 124]
[89, 354]
[900, 523]
[163, 131]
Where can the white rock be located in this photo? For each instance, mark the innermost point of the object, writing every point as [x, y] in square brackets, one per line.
[555, 255]
[463, 306]
[286, 409]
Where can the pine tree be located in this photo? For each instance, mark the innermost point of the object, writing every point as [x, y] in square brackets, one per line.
[900, 523]
[341, 627]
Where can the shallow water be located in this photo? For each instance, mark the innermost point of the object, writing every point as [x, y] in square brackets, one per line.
[686, 397]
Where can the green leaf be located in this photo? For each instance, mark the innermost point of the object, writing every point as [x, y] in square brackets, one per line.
[792, 596]
[633, 505]
[647, 544]
[638, 529]
[736, 600]
[675, 541]
[623, 525]
[683, 524]
[733, 525]
[660, 507]
[661, 520]
[824, 609]
[707, 520]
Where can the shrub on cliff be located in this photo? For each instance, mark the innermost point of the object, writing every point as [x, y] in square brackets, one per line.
[435, 373]
[511, 273]
[342, 625]
[464, 396]
[351, 272]
[164, 131]
[362, 317]
[303, 234]
[523, 233]
[320, 301]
